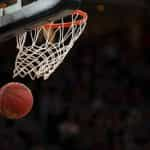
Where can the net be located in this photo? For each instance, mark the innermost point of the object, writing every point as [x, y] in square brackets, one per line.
[44, 48]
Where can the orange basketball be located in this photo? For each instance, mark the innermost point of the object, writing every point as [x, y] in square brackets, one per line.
[16, 100]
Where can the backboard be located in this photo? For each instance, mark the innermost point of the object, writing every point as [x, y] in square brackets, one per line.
[19, 15]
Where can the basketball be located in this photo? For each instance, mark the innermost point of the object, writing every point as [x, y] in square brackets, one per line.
[16, 100]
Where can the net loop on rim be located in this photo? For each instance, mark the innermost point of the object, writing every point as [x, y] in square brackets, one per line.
[44, 48]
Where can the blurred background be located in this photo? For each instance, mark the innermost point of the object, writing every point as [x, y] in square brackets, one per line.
[98, 99]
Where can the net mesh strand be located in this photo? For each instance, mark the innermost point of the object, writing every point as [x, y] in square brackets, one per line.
[46, 50]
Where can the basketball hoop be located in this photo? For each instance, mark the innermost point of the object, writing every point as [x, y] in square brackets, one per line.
[44, 48]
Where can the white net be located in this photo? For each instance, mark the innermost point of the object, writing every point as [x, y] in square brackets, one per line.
[43, 49]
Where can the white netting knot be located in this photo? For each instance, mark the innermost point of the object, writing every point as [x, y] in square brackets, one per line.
[43, 49]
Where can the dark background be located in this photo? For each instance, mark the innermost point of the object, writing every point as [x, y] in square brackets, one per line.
[98, 99]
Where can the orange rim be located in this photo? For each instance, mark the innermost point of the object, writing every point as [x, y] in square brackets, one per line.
[68, 24]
